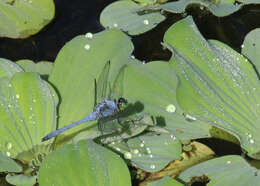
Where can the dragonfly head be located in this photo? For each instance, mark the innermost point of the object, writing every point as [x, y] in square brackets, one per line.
[121, 103]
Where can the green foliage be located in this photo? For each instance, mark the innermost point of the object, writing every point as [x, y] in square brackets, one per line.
[26, 105]
[8, 165]
[129, 17]
[44, 68]
[165, 181]
[86, 164]
[225, 171]
[20, 19]
[85, 59]
[21, 180]
[217, 85]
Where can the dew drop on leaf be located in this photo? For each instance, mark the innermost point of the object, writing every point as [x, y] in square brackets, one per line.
[89, 35]
[87, 47]
[146, 22]
[171, 108]
[127, 155]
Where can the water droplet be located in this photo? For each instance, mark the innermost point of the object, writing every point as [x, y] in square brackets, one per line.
[8, 154]
[89, 35]
[139, 155]
[173, 137]
[9, 85]
[257, 104]
[133, 57]
[148, 150]
[118, 149]
[242, 46]
[113, 143]
[87, 47]
[152, 166]
[31, 108]
[189, 117]
[251, 141]
[254, 89]
[34, 100]
[135, 151]
[9, 106]
[228, 162]
[142, 145]
[151, 156]
[8, 145]
[146, 22]
[170, 108]
[201, 7]
[127, 155]
[115, 25]
[17, 96]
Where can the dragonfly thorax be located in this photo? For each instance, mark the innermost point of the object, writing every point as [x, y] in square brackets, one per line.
[106, 108]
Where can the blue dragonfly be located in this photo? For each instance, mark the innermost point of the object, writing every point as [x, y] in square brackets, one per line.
[104, 106]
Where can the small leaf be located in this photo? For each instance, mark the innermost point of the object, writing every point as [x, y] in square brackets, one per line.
[150, 152]
[20, 19]
[8, 165]
[21, 180]
[219, 8]
[251, 47]
[8, 68]
[226, 170]
[44, 68]
[84, 164]
[129, 16]
[165, 181]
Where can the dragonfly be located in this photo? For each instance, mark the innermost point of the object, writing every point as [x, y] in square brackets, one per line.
[104, 106]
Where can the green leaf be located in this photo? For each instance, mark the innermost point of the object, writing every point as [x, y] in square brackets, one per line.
[8, 165]
[150, 152]
[8, 68]
[44, 68]
[28, 112]
[251, 47]
[217, 85]
[85, 58]
[84, 164]
[165, 181]
[223, 171]
[20, 19]
[21, 180]
[219, 8]
[129, 17]
[154, 86]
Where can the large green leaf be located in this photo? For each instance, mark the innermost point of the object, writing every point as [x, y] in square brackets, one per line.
[129, 16]
[217, 85]
[84, 164]
[28, 112]
[81, 61]
[21, 180]
[20, 18]
[154, 86]
[223, 171]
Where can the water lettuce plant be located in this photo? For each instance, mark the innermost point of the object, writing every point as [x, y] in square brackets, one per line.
[205, 90]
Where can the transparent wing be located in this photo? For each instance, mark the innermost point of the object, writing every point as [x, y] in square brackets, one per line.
[116, 91]
[102, 84]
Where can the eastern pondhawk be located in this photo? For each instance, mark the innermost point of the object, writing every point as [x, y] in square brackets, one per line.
[104, 106]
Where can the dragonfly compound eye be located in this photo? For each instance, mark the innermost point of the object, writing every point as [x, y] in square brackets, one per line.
[122, 102]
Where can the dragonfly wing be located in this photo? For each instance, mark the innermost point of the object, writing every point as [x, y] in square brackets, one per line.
[102, 83]
[91, 117]
[117, 89]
